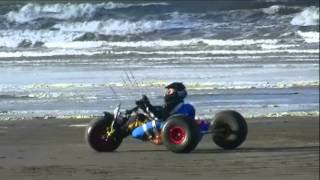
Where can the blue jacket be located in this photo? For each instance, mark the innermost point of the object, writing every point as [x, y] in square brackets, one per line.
[184, 109]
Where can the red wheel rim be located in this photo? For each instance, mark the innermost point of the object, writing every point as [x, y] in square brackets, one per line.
[177, 135]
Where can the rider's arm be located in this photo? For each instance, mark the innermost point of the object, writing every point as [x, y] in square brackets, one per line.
[158, 111]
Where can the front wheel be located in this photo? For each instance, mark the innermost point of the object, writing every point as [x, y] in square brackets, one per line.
[230, 129]
[180, 134]
[96, 135]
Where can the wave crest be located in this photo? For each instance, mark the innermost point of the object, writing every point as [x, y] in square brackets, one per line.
[32, 11]
[308, 17]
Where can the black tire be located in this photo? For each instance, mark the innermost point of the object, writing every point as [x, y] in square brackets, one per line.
[95, 135]
[180, 134]
[230, 129]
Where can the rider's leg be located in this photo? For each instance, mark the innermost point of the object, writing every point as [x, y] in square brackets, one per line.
[147, 130]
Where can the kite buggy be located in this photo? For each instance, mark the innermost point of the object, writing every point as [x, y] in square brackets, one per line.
[173, 125]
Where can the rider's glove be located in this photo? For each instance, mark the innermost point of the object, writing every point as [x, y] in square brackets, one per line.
[140, 104]
[143, 103]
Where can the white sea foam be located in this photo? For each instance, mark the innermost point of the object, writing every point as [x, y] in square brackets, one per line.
[124, 27]
[50, 53]
[310, 37]
[111, 27]
[32, 11]
[291, 114]
[27, 93]
[308, 17]
[166, 43]
[275, 9]
[76, 44]
[161, 61]
[64, 38]
[67, 85]
[60, 95]
[272, 9]
[12, 38]
[67, 32]
[74, 52]
[209, 42]
[221, 52]
[49, 114]
[277, 46]
[45, 90]
[249, 85]
[78, 125]
[58, 39]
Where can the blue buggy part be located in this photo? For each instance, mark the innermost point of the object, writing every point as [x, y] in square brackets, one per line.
[203, 126]
[154, 127]
[149, 128]
[186, 110]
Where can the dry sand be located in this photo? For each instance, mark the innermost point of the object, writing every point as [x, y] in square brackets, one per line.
[276, 148]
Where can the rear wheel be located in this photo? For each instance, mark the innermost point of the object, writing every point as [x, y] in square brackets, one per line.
[96, 135]
[180, 134]
[230, 129]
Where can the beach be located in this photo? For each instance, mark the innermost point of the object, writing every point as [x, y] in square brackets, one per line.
[285, 148]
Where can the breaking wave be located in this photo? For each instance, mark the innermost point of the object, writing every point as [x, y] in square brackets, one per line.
[308, 17]
[33, 25]
[280, 9]
[123, 27]
[68, 11]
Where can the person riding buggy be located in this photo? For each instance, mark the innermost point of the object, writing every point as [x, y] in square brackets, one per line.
[172, 124]
[175, 94]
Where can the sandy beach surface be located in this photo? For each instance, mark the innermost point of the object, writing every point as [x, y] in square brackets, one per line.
[276, 148]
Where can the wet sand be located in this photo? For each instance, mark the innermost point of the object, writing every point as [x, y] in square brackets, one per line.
[276, 148]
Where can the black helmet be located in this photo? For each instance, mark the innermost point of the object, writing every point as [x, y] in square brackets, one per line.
[175, 93]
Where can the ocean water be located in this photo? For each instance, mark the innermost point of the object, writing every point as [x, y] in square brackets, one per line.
[79, 59]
